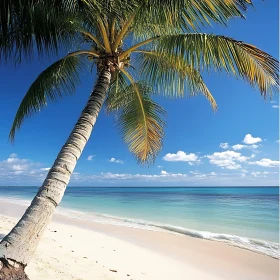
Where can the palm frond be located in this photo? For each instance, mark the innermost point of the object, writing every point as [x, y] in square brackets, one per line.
[43, 31]
[44, 26]
[173, 76]
[202, 13]
[138, 117]
[115, 100]
[29, 23]
[152, 14]
[59, 79]
[184, 15]
[203, 51]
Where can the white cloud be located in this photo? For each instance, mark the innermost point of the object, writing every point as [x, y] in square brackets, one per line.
[115, 160]
[227, 159]
[224, 145]
[257, 173]
[164, 176]
[253, 156]
[125, 176]
[195, 172]
[45, 169]
[15, 164]
[198, 174]
[240, 147]
[13, 159]
[159, 166]
[275, 106]
[19, 170]
[90, 157]
[13, 155]
[262, 174]
[249, 139]
[181, 156]
[266, 162]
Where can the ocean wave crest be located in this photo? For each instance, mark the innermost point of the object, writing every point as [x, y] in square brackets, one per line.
[260, 246]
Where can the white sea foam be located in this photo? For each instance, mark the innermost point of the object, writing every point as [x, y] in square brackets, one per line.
[17, 200]
[260, 246]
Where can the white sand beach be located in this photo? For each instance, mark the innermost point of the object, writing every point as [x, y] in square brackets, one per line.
[76, 249]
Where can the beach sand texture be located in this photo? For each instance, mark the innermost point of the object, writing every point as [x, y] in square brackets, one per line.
[75, 249]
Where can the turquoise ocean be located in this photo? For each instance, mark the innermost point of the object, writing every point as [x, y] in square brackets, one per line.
[247, 217]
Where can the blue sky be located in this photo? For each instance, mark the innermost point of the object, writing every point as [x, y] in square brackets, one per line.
[235, 146]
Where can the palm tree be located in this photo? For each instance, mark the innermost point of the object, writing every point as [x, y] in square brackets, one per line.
[138, 50]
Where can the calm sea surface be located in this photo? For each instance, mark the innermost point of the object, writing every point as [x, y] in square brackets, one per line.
[244, 217]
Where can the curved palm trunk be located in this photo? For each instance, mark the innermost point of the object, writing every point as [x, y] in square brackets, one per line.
[19, 245]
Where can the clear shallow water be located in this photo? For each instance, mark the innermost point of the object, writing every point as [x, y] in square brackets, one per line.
[244, 217]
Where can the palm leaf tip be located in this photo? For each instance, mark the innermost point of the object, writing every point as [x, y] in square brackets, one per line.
[59, 79]
[139, 119]
[203, 51]
[173, 75]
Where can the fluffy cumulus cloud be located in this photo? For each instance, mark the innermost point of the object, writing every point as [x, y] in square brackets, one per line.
[228, 159]
[19, 170]
[13, 155]
[90, 157]
[224, 145]
[181, 156]
[164, 176]
[45, 169]
[15, 165]
[261, 174]
[266, 162]
[240, 147]
[229, 169]
[249, 139]
[146, 177]
[115, 160]
[275, 104]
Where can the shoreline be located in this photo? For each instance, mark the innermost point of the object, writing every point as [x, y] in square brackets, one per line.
[179, 255]
[260, 246]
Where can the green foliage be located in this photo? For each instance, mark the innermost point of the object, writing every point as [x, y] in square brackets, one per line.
[204, 51]
[29, 25]
[139, 119]
[155, 40]
[172, 76]
[60, 79]
[158, 17]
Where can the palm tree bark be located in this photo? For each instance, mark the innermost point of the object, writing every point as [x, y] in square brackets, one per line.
[19, 245]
